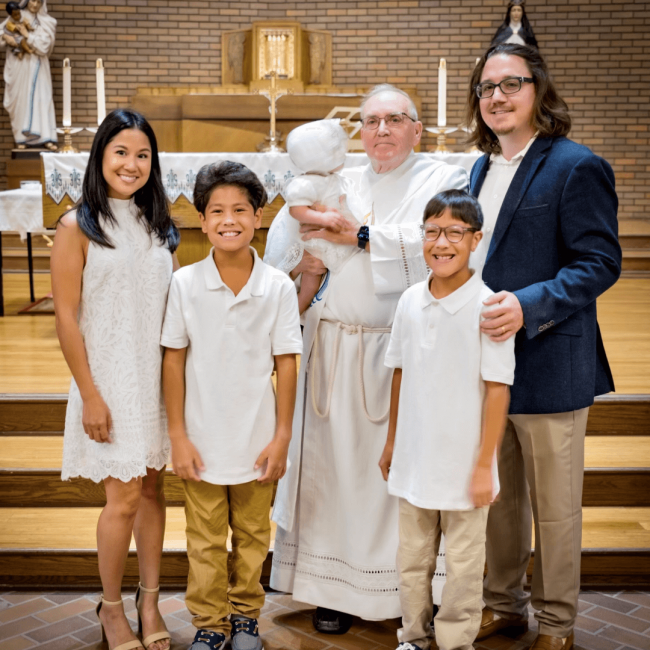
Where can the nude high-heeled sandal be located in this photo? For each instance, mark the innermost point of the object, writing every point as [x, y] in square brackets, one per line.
[129, 645]
[156, 636]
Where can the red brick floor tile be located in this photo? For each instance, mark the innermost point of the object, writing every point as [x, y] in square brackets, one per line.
[589, 624]
[19, 626]
[65, 643]
[605, 600]
[18, 597]
[292, 640]
[635, 597]
[62, 628]
[380, 636]
[170, 606]
[67, 610]
[641, 612]
[25, 609]
[617, 634]
[593, 642]
[17, 643]
[616, 618]
[89, 635]
[61, 598]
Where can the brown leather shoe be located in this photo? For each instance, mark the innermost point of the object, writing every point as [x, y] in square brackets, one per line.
[491, 625]
[548, 642]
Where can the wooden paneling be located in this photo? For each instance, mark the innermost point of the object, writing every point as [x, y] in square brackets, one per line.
[32, 414]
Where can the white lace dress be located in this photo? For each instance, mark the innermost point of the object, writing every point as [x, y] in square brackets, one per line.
[123, 300]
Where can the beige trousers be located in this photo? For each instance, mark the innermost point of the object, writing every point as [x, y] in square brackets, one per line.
[459, 617]
[541, 468]
[213, 594]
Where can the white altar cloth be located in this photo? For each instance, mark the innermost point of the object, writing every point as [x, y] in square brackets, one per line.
[21, 210]
[64, 172]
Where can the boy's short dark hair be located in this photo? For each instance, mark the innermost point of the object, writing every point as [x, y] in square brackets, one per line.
[462, 204]
[11, 7]
[235, 174]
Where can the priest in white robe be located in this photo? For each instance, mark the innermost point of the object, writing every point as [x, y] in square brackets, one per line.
[337, 533]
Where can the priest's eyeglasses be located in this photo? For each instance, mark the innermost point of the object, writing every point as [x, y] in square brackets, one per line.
[508, 86]
[454, 234]
[372, 122]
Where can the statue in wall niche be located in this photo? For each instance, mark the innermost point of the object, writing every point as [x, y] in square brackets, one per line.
[515, 28]
[236, 57]
[28, 82]
[317, 55]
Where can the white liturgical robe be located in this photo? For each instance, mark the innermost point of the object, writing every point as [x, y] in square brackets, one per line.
[336, 541]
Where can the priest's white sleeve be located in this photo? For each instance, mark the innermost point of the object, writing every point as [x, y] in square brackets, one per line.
[396, 248]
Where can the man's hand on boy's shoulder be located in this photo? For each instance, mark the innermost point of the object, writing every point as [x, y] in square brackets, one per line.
[186, 460]
[273, 459]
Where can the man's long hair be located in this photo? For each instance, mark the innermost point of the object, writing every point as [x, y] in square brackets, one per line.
[550, 113]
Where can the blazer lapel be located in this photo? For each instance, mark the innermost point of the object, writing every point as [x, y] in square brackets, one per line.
[482, 166]
[517, 190]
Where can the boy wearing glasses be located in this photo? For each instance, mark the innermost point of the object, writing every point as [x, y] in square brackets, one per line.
[446, 422]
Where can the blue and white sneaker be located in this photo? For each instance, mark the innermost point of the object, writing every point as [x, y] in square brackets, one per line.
[207, 640]
[245, 634]
[408, 646]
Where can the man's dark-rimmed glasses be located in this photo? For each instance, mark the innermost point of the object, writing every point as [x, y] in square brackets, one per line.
[372, 122]
[508, 86]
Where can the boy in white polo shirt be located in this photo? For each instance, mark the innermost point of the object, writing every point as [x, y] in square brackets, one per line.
[230, 319]
[449, 403]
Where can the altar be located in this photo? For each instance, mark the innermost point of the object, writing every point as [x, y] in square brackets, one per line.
[62, 180]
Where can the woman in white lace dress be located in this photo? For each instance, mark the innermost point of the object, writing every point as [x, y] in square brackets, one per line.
[111, 268]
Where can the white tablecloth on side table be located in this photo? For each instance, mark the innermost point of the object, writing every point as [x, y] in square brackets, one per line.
[21, 210]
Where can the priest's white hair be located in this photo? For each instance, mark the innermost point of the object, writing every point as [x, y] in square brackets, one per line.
[389, 88]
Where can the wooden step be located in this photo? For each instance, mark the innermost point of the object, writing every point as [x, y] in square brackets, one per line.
[636, 260]
[41, 547]
[617, 474]
[43, 414]
[616, 487]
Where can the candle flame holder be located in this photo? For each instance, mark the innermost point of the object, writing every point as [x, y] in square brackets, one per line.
[68, 132]
[442, 132]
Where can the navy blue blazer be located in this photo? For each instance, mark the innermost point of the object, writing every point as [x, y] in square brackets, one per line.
[555, 246]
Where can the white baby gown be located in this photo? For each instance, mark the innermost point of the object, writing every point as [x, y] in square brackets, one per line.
[284, 250]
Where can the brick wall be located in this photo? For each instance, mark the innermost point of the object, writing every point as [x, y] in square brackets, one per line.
[598, 51]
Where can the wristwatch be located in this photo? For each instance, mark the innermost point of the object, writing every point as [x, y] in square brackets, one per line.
[363, 237]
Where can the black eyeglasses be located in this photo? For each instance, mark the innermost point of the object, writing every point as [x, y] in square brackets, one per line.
[372, 122]
[508, 86]
[454, 234]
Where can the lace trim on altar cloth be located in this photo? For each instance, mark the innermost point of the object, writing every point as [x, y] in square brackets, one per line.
[332, 569]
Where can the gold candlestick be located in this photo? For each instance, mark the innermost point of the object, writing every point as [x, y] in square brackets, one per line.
[68, 132]
[272, 141]
[441, 132]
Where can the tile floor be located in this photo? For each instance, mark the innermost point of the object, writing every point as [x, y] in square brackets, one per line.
[67, 621]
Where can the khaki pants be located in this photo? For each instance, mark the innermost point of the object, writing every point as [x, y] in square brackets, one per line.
[212, 594]
[541, 468]
[459, 617]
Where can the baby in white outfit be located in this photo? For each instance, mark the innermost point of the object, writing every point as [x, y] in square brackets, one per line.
[317, 198]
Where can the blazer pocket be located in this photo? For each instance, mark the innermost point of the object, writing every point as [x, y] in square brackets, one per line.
[532, 211]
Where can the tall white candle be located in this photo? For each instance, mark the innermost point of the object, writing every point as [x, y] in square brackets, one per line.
[101, 95]
[442, 93]
[67, 93]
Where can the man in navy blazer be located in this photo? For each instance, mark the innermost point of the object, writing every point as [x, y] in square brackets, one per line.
[550, 248]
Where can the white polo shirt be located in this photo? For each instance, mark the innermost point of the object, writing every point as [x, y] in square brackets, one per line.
[231, 340]
[445, 360]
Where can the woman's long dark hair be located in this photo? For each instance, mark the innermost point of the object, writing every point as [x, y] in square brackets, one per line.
[93, 208]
